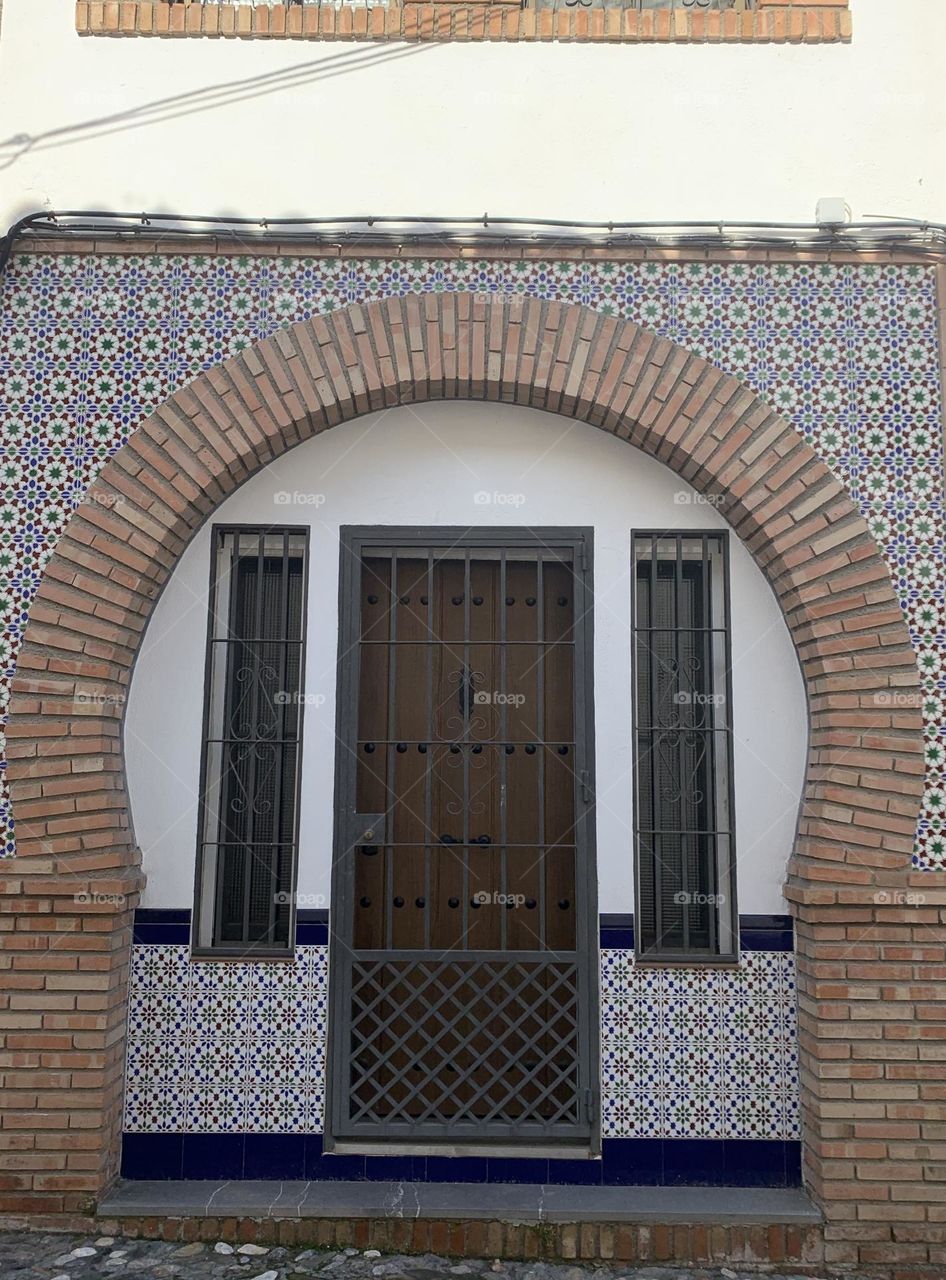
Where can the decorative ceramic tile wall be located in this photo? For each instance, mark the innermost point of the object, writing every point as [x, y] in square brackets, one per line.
[240, 1048]
[89, 345]
[701, 1052]
[225, 1048]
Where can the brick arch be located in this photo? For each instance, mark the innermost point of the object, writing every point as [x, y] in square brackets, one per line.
[865, 774]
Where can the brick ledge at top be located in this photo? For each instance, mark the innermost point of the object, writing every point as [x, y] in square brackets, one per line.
[774, 20]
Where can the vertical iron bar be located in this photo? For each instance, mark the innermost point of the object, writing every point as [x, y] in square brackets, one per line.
[249, 856]
[710, 825]
[390, 756]
[501, 749]
[226, 747]
[428, 775]
[465, 757]
[656, 807]
[540, 727]
[723, 589]
[682, 718]
[279, 741]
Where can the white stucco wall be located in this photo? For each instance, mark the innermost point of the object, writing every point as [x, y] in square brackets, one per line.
[425, 465]
[283, 128]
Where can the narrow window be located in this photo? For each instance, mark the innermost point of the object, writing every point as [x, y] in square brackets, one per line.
[683, 747]
[248, 832]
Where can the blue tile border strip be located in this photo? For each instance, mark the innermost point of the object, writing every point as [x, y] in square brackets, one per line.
[705, 1162]
[162, 924]
[766, 933]
[172, 925]
[312, 928]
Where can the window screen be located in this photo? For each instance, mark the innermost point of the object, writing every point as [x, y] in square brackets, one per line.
[252, 718]
[683, 746]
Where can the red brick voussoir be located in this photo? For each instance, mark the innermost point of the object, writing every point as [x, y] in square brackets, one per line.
[70, 893]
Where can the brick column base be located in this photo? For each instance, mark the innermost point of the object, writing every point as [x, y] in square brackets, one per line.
[66, 939]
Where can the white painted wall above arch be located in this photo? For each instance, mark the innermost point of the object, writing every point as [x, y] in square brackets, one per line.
[478, 464]
[643, 131]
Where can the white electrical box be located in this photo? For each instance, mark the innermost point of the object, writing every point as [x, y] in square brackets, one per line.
[832, 211]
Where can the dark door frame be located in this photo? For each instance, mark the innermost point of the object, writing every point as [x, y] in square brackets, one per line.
[353, 539]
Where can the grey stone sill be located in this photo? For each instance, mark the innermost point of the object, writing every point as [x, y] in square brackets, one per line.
[458, 1201]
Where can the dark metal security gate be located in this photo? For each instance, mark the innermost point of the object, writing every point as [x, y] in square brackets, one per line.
[464, 941]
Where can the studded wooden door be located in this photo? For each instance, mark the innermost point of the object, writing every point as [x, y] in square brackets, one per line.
[464, 941]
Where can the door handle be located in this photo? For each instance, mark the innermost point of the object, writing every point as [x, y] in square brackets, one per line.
[466, 691]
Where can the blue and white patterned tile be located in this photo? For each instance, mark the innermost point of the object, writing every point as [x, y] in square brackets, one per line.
[697, 1052]
[213, 1108]
[695, 1112]
[223, 1061]
[276, 1108]
[207, 1035]
[753, 1113]
[790, 1124]
[279, 1064]
[155, 1110]
[158, 1059]
[314, 1110]
[677, 1061]
[89, 344]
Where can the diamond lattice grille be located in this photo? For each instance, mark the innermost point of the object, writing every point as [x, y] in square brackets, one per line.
[460, 1043]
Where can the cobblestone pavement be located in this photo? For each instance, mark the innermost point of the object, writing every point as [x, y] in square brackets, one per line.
[28, 1256]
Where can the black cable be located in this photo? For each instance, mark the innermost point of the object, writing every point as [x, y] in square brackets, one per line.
[894, 235]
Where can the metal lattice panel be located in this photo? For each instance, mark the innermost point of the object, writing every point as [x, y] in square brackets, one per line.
[462, 1043]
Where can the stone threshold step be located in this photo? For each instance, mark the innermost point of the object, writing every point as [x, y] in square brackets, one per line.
[459, 1202]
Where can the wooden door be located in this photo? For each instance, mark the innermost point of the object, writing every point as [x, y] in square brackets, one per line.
[463, 880]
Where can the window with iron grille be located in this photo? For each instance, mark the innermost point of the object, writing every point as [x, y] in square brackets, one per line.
[685, 905]
[248, 833]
